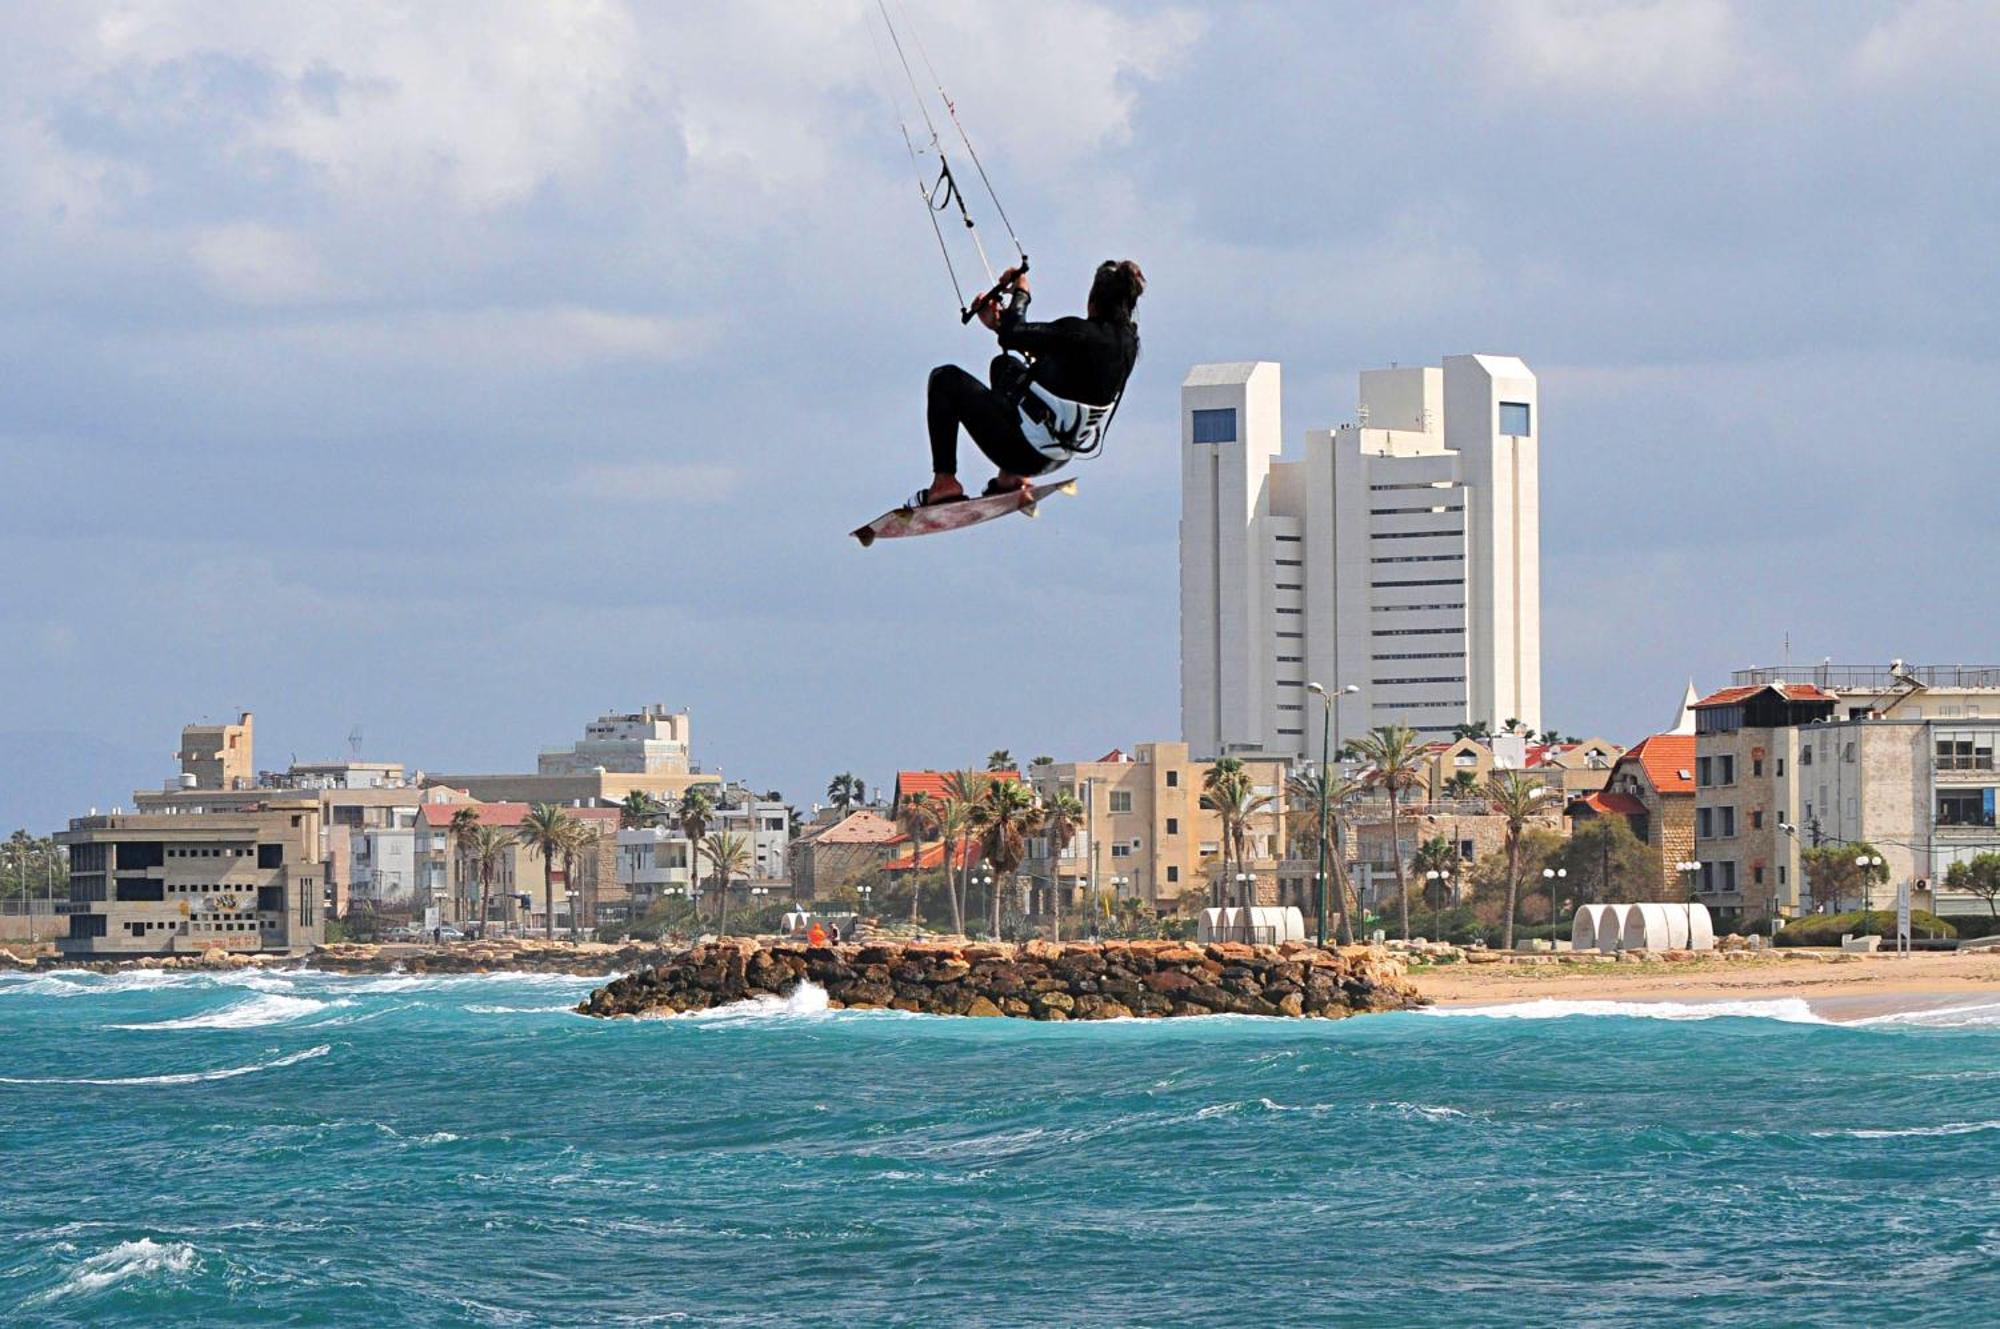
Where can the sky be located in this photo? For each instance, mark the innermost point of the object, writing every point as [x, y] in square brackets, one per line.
[459, 372]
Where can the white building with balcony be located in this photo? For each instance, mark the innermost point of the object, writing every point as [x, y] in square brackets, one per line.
[1400, 555]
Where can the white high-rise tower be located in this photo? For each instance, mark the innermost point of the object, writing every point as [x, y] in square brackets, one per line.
[1401, 555]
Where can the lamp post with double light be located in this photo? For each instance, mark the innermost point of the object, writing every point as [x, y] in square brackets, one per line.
[1688, 868]
[1866, 864]
[1554, 877]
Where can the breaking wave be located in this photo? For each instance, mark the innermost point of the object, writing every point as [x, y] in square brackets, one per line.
[255, 1013]
[190, 1077]
[144, 1258]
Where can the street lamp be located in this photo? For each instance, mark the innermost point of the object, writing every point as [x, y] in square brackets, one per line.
[757, 893]
[984, 880]
[1553, 876]
[1867, 862]
[1118, 885]
[1437, 880]
[1329, 718]
[570, 896]
[1689, 867]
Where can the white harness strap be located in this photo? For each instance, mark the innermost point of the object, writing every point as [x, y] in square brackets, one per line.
[1076, 427]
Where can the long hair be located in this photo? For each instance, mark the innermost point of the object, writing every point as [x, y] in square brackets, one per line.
[1115, 290]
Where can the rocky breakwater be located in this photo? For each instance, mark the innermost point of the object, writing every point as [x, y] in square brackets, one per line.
[1040, 981]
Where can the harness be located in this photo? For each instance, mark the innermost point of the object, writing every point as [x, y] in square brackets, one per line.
[1058, 428]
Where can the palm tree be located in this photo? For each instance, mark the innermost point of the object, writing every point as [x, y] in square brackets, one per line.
[918, 819]
[1514, 797]
[1435, 855]
[1303, 792]
[638, 810]
[697, 810]
[726, 854]
[845, 790]
[1463, 784]
[1062, 817]
[999, 760]
[545, 830]
[464, 825]
[1396, 754]
[1230, 793]
[965, 788]
[1005, 815]
[489, 851]
[951, 815]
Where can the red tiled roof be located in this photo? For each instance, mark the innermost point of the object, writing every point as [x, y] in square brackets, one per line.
[506, 816]
[931, 784]
[961, 854]
[1610, 803]
[1789, 691]
[1667, 759]
[1116, 755]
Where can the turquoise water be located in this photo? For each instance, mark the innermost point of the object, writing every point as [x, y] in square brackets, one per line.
[305, 1149]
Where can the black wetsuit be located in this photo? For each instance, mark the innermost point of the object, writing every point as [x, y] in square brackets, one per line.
[1079, 359]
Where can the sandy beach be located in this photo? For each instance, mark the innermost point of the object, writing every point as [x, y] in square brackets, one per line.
[1837, 987]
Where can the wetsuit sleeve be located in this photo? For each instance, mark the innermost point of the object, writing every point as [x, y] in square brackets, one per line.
[1064, 336]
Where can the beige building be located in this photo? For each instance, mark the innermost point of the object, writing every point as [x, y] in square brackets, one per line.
[1466, 764]
[646, 751]
[1146, 835]
[582, 886]
[175, 884]
[366, 832]
[1754, 772]
[218, 756]
[828, 858]
[1652, 787]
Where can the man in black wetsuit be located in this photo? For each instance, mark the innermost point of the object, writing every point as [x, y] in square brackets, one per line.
[1053, 387]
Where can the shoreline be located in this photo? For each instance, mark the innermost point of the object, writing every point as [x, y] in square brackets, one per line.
[1834, 986]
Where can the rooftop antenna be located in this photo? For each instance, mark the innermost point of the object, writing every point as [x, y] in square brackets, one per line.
[354, 743]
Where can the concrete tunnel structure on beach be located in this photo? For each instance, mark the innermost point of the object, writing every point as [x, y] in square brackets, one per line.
[1650, 926]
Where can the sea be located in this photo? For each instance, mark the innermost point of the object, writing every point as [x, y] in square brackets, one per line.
[293, 1148]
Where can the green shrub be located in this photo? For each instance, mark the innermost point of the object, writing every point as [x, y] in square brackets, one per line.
[1828, 929]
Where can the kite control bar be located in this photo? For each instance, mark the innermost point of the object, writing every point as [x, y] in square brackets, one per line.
[1002, 287]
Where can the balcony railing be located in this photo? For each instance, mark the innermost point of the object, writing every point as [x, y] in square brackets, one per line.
[1870, 678]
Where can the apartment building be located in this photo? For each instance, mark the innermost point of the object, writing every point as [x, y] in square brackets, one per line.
[1899, 757]
[646, 750]
[583, 884]
[367, 828]
[173, 884]
[654, 862]
[1145, 834]
[1399, 555]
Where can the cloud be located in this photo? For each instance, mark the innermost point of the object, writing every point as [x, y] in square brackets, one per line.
[1929, 41]
[1670, 50]
[560, 338]
[255, 264]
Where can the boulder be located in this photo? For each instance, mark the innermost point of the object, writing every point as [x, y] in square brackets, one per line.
[981, 1006]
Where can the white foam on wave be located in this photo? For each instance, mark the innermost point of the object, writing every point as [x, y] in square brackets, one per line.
[1788, 1010]
[446, 982]
[566, 1008]
[191, 1077]
[807, 999]
[1973, 1016]
[144, 1258]
[253, 1013]
[1895, 1133]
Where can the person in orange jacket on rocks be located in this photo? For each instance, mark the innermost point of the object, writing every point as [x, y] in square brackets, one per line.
[817, 937]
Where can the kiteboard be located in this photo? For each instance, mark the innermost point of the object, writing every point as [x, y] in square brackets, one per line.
[901, 522]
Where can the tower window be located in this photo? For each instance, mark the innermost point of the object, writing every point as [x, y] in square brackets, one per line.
[1514, 419]
[1217, 426]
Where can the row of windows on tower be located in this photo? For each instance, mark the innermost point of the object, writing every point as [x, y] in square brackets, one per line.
[1218, 424]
